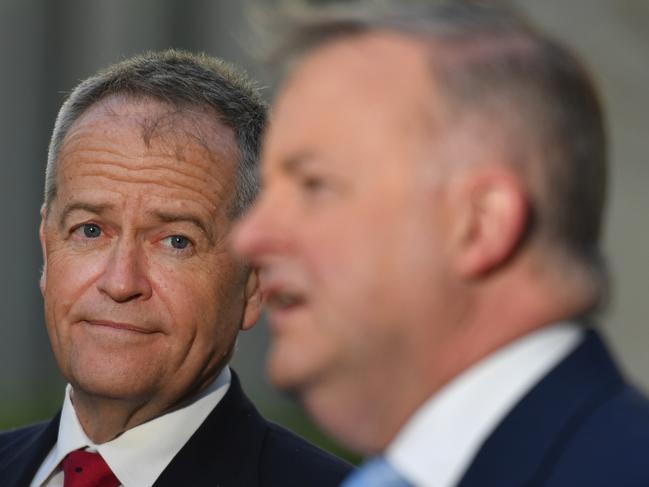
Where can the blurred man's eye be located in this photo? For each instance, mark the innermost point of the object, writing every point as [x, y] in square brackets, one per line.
[312, 183]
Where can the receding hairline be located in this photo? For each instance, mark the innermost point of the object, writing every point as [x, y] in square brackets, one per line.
[169, 125]
[156, 116]
[182, 79]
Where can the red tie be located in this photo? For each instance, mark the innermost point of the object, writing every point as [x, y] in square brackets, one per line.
[86, 469]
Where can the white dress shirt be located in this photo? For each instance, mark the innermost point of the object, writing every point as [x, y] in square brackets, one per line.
[440, 440]
[139, 455]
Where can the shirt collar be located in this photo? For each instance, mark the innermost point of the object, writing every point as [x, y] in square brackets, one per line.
[138, 456]
[439, 441]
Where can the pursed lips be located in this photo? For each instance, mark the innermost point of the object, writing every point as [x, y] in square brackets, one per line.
[119, 326]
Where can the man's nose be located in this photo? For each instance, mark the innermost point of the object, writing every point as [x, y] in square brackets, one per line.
[125, 276]
[258, 233]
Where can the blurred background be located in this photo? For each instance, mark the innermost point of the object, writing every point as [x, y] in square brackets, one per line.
[47, 46]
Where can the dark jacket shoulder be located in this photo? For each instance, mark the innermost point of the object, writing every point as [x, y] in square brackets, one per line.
[610, 445]
[15, 441]
[582, 424]
[237, 447]
[234, 447]
[23, 450]
[309, 465]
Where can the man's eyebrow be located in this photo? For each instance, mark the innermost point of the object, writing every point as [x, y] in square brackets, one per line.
[97, 209]
[295, 162]
[173, 217]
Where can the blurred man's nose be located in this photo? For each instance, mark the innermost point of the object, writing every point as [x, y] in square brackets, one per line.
[256, 234]
[125, 276]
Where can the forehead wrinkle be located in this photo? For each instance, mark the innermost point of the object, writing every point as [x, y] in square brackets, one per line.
[110, 154]
[97, 139]
[142, 167]
[146, 174]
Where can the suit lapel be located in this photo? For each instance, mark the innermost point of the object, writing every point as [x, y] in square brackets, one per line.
[527, 442]
[225, 450]
[28, 454]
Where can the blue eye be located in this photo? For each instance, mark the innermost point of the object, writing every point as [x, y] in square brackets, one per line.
[179, 242]
[91, 230]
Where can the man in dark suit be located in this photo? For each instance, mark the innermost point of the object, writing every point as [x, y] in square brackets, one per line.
[446, 165]
[149, 163]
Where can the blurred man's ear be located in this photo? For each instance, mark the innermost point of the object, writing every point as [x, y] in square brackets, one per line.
[41, 236]
[492, 211]
[253, 301]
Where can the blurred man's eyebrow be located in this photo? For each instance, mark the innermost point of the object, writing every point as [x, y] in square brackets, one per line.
[97, 209]
[174, 217]
[295, 162]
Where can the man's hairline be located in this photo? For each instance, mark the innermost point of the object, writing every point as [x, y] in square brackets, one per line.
[183, 109]
[451, 112]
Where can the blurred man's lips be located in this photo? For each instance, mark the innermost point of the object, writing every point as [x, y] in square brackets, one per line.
[284, 307]
[278, 299]
[119, 326]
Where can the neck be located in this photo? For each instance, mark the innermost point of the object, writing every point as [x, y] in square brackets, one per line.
[367, 420]
[507, 308]
[104, 419]
[366, 408]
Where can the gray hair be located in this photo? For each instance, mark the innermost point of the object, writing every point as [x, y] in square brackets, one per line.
[490, 62]
[180, 79]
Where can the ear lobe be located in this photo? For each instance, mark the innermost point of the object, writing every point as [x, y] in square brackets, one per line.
[253, 301]
[41, 235]
[495, 212]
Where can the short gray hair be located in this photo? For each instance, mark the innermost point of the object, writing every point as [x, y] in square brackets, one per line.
[180, 79]
[488, 60]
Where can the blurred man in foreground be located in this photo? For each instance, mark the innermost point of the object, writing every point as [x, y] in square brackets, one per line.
[149, 162]
[428, 241]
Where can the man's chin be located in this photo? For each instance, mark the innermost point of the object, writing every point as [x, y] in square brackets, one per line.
[109, 388]
[295, 374]
[286, 375]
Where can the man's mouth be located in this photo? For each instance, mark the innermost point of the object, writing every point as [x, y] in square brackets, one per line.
[119, 326]
[280, 300]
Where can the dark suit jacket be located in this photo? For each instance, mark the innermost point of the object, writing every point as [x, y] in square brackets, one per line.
[582, 425]
[235, 446]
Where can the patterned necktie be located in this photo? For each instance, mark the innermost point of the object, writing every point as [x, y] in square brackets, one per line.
[86, 469]
[376, 473]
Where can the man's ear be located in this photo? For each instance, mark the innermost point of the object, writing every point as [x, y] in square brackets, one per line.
[253, 301]
[41, 235]
[493, 211]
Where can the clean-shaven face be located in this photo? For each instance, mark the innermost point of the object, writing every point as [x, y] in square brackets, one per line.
[349, 249]
[143, 299]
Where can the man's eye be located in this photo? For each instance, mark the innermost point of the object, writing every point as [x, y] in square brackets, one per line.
[90, 230]
[178, 242]
[313, 184]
